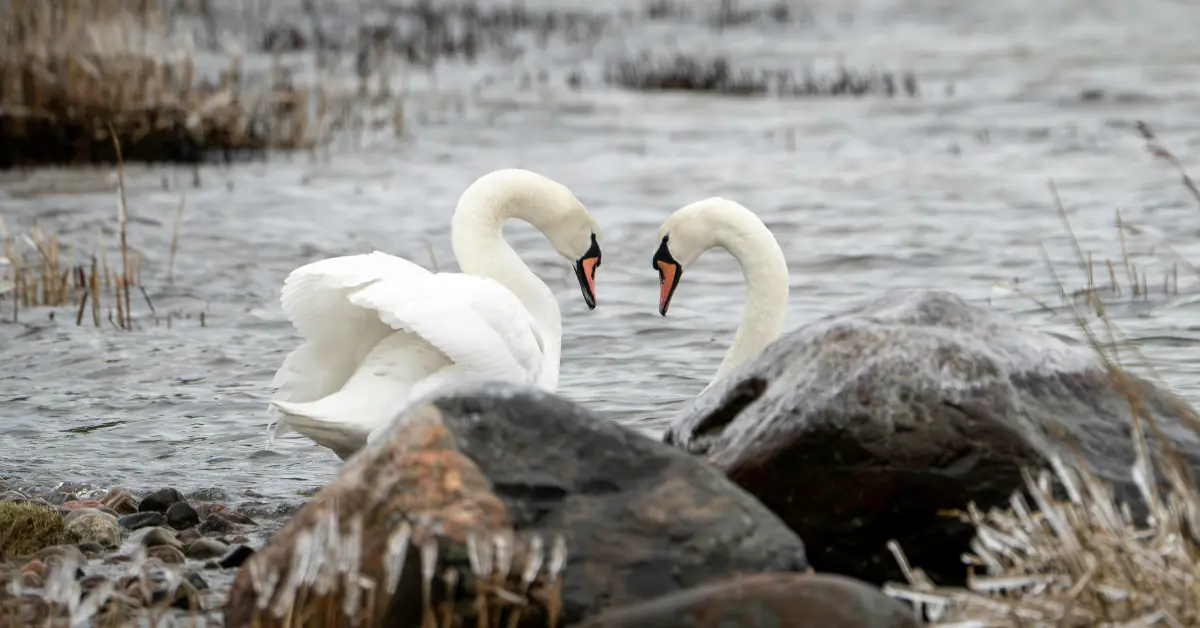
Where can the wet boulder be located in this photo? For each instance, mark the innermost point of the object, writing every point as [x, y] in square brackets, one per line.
[767, 600]
[508, 500]
[878, 423]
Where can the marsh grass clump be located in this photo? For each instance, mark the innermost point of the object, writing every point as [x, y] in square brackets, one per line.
[26, 528]
[39, 269]
[1083, 559]
[719, 76]
[75, 74]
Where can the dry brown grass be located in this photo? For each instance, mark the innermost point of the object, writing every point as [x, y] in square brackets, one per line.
[42, 271]
[74, 72]
[1083, 560]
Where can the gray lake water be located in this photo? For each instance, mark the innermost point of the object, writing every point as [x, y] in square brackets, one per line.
[945, 190]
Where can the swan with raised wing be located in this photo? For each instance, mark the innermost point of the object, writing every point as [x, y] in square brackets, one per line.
[721, 223]
[380, 331]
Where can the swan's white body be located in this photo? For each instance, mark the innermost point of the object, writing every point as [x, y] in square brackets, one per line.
[720, 223]
[380, 331]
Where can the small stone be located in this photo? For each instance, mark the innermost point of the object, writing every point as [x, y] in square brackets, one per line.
[60, 553]
[121, 501]
[35, 566]
[13, 496]
[207, 548]
[181, 515]
[236, 557]
[96, 527]
[83, 512]
[142, 520]
[168, 554]
[207, 508]
[93, 504]
[118, 559]
[160, 500]
[189, 536]
[59, 499]
[90, 547]
[185, 598]
[235, 539]
[196, 580]
[216, 523]
[91, 582]
[160, 536]
[56, 556]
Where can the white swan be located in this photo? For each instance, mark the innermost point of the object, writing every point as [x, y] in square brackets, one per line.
[717, 222]
[380, 331]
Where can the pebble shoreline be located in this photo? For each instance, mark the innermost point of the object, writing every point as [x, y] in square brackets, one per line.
[160, 553]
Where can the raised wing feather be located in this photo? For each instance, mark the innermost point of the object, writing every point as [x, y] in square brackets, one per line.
[344, 306]
[478, 323]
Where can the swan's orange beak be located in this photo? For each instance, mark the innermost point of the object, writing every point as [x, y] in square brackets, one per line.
[589, 272]
[585, 272]
[669, 273]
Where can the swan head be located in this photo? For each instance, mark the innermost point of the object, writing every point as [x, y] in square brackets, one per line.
[687, 233]
[575, 234]
[549, 206]
[577, 239]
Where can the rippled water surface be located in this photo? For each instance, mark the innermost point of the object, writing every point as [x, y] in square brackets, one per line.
[946, 190]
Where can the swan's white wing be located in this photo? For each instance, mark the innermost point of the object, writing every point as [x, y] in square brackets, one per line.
[337, 333]
[343, 306]
[478, 323]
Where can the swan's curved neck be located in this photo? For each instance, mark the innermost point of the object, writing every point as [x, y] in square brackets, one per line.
[766, 274]
[478, 240]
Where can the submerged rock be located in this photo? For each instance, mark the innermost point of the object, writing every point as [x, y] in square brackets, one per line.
[868, 425]
[160, 500]
[168, 554]
[512, 471]
[767, 600]
[154, 537]
[142, 520]
[201, 549]
[181, 515]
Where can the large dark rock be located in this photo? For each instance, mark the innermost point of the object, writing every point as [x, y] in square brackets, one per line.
[639, 519]
[869, 425]
[767, 600]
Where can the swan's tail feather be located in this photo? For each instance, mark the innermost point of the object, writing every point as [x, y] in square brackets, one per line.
[306, 419]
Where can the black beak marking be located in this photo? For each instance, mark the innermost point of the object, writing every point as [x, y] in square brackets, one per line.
[587, 282]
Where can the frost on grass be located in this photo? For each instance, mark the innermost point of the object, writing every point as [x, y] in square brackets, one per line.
[330, 579]
[146, 588]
